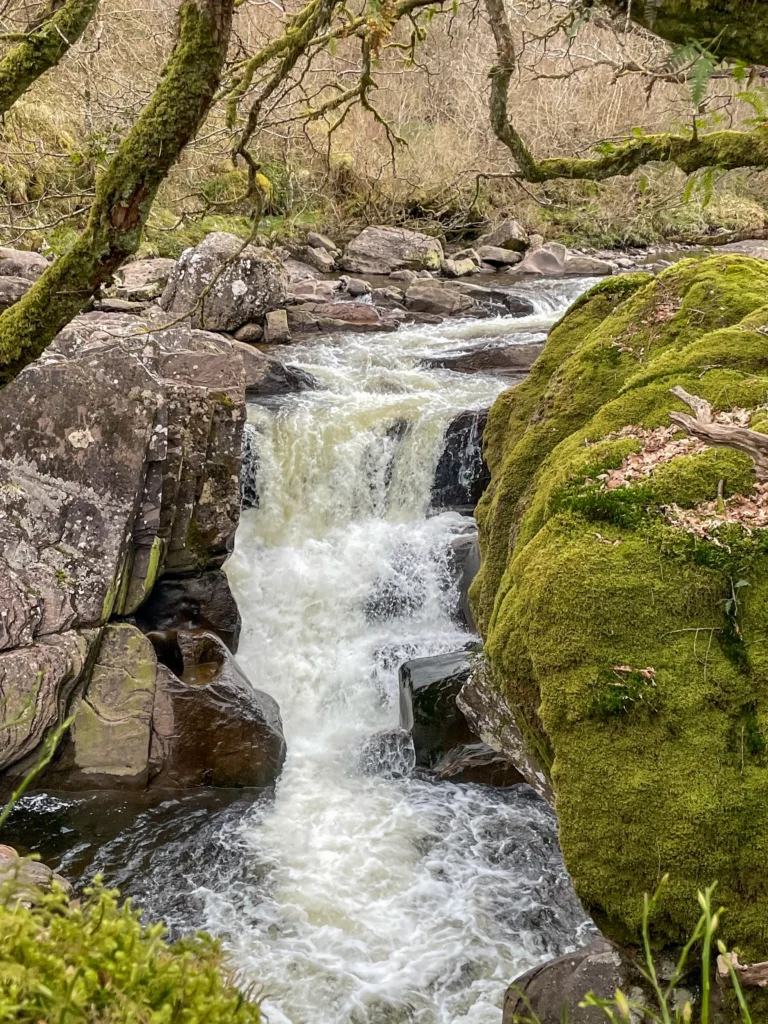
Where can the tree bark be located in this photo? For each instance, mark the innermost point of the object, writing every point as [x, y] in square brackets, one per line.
[42, 49]
[125, 192]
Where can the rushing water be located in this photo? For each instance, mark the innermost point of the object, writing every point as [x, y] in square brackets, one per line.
[356, 896]
[380, 898]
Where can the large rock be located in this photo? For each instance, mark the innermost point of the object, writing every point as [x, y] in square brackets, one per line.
[497, 256]
[477, 763]
[119, 461]
[266, 377]
[508, 235]
[553, 260]
[507, 360]
[12, 289]
[606, 593]
[465, 563]
[428, 710]
[20, 263]
[461, 475]
[434, 297]
[141, 725]
[222, 285]
[551, 993]
[26, 882]
[312, 290]
[321, 259]
[380, 250]
[458, 267]
[311, 317]
[142, 280]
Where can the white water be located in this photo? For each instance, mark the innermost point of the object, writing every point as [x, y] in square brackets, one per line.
[380, 898]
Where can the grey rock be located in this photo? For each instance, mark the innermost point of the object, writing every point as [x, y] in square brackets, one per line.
[382, 250]
[320, 259]
[317, 241]
[388, 296]
[404, 275]
[552, 992]
[467, 254]
[515, 359]
[142, 280]
[356, 288]
[298, 271]
[458, 268]
[433, 297]
[490, 719]
[24, 882]
[12, 289]
[548, 260]
[20, 263]
[389, 754]
[250, 334]
[109, 305]
[508, 235]
[461, 474]
[497, 256]
[588, 266]
[465, 565]
[276, 329]
[477, 763]
[243, 284]
[428, 710]
[313, 291]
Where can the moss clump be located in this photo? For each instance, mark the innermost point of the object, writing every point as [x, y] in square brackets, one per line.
[636, 654]
[95, 962]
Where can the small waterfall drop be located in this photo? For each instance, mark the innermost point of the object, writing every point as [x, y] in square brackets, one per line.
[374, 898]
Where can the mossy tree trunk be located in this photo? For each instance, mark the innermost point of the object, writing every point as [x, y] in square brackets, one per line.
[42, 48]
[125, 192]
[673, 20]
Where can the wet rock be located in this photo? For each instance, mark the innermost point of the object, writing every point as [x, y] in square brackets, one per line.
[12, 289]
[382, 250]
[210, 726]
[551, 992]
[249, 474]
[478, 763]
[497, 256]
[317, 241]
[266, 377]
[321, 259]
[310, 317]
[276, 329]
[508, 235]
[401, 591]
[142, 280]
[355, 287]
[433, 297]
[389, 754]
[243, 284]
[25, 882]
[250, 334]
[461, 475]
[502, 359]
[197, 601]
[428, 710]
[181, 718]
[588, 266]
[388, 297]
[458, 267]
[20, 263]
[490, 719]
[465, 563]
[498, 298]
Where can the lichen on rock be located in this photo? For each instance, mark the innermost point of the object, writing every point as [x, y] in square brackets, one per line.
[630, 647]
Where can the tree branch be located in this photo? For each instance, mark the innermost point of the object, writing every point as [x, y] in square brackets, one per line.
[721, 435]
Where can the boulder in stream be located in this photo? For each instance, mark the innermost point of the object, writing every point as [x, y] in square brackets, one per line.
[477, 763]
[428, 710]
[461, 475]
[380, 250]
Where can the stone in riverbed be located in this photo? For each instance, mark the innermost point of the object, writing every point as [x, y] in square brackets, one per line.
[458, 268]
[142, 280]
[508, 235]
[433, 297]
[465, 563]
[312, 291]
[355, 287]
[26, 881]
[461, 475]
[310, 317]
[506, 359]
[266, 377]
[317, 241]
[276, 329]
[389, 754]
[553, 260]
[478, 763]
[428, 709]
[244, 284]
[382, 250]
[497, 256]
[249, 333]
[320, 259]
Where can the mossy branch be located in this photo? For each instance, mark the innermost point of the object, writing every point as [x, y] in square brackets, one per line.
[42, 49]
[727, 150]
[721, 435]
[125, 192]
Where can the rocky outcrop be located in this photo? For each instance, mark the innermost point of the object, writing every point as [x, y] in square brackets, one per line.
[461, 475]
[141, 725]
[428, 691]
[632, 666]
[119, 462]
[222, 284]
[381, 250]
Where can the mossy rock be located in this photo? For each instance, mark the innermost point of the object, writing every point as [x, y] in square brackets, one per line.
[633, 654]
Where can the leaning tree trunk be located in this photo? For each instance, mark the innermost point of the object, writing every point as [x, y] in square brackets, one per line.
[42, 48]
[125, 192]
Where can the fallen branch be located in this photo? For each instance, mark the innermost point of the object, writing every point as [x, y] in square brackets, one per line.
[748, 975]
[721, 435]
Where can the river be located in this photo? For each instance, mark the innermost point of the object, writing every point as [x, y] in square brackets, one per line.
[358, 894]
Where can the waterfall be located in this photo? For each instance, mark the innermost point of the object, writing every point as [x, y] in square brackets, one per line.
[374, 896]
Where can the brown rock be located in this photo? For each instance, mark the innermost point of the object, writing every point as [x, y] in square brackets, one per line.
[250, 334]
[478, 763]
[334, 316]
[142, 280]
[433, 297]
[198, 601]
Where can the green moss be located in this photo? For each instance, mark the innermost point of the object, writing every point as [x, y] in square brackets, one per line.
[95, 961]
[585, 589]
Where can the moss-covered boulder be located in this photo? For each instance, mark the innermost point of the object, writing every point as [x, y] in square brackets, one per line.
[623, 593]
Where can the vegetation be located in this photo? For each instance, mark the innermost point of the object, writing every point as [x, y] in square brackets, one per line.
[93, 960]
[625, 624]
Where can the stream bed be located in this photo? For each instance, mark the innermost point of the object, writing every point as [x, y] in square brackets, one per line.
[357, 893]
